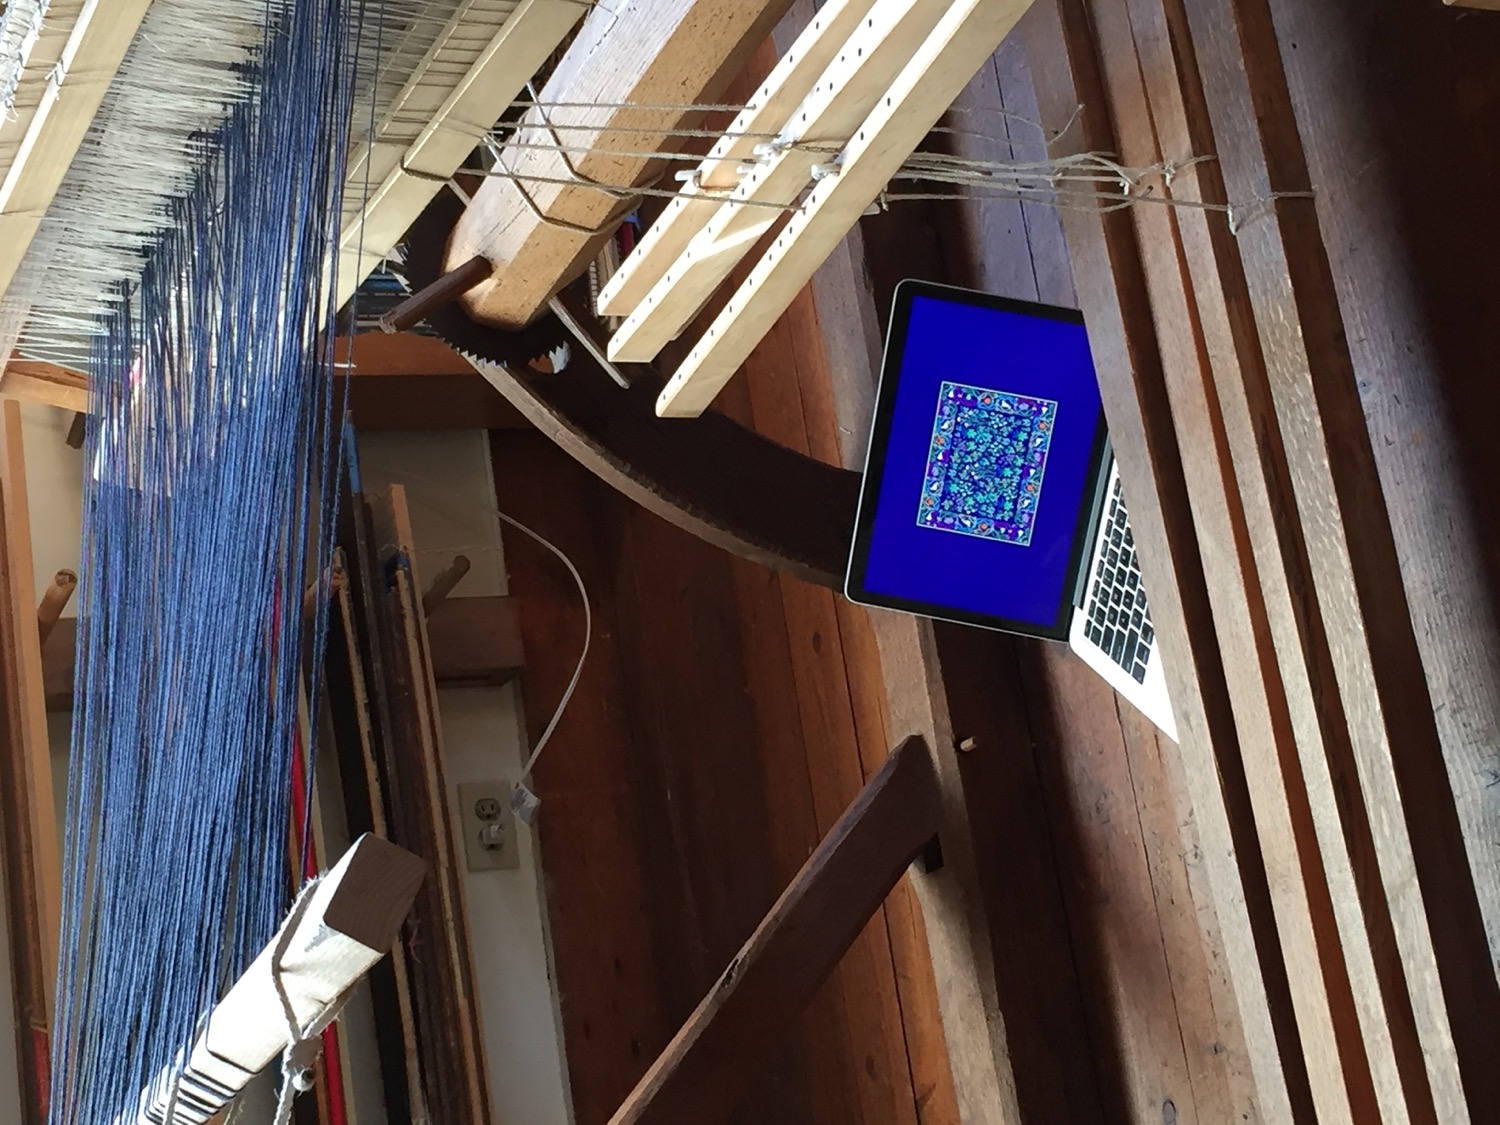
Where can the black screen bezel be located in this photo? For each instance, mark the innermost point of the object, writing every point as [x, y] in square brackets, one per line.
[869, 493]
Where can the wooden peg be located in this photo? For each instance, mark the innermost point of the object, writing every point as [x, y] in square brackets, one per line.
[446, 289]
[336, 581]
[443, 584]
[54, 601]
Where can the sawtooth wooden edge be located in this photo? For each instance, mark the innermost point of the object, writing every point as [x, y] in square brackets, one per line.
[710, 476]
[711, 1061]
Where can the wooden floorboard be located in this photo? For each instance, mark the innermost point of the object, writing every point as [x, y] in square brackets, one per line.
[1170, 894]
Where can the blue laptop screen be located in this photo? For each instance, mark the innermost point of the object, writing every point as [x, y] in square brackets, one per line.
[985, 455]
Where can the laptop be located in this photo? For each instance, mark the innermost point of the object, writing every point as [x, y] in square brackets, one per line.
[990, 495]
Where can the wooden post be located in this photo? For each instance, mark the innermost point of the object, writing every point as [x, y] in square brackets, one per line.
[348, 924]
[23, 685]
[445, 290]
[708, 1065]
[449, 577]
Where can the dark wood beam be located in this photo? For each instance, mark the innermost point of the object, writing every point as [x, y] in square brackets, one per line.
[710, 1063]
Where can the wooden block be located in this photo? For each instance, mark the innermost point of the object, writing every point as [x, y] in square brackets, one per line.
[349, 922]
[475, 642]
[23, 659]
[968, 34]
[632, 64]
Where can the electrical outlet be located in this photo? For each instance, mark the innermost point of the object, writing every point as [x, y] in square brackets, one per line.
[488, 825]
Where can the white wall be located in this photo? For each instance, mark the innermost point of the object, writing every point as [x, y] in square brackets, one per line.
[451, 495]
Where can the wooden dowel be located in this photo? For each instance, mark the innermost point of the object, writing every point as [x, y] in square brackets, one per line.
[54, 601]
[443, 584]
[712, 1061]
[446, 289]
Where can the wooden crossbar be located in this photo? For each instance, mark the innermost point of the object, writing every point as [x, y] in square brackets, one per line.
[968, 33]
[710, 1063]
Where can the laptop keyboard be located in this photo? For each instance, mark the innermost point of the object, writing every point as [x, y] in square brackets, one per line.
[1119, 621]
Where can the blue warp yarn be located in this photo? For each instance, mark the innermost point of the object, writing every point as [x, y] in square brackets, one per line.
[211, 400]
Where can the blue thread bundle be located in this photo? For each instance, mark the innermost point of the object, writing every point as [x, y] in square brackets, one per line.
[211, 400]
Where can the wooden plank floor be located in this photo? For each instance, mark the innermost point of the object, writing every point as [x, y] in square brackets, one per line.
[731, 713]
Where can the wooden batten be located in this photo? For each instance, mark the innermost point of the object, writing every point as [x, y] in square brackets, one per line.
[80, 64]
[635, 66]
[349, 923]
[1205, 766]
[45, 382]
[704, 1070]
[468, 79]
[1353, 579]
[941, 66]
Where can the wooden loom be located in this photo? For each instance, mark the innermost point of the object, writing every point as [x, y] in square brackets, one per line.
[1186, 314]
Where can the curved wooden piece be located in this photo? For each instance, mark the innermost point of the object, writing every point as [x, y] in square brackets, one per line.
[707, 475]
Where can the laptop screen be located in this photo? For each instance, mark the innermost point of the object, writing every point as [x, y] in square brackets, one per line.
[985, 462]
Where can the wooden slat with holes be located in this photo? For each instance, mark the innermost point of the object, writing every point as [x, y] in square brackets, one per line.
[861, 71]
[967, 34]
[788, 82]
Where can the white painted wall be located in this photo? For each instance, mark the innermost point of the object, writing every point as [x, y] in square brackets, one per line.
[451, 494]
